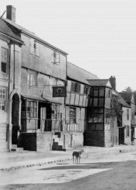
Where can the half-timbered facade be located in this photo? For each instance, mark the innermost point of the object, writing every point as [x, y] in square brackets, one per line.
[101, 128]
[76, 103]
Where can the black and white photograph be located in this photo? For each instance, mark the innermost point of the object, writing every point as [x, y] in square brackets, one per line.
[67, 94]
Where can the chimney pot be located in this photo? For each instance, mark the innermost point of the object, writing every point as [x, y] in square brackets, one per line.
[11, 13]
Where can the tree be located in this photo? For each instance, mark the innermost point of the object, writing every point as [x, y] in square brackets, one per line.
[127, 94]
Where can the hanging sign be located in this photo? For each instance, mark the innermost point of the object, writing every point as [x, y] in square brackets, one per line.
[59, 91]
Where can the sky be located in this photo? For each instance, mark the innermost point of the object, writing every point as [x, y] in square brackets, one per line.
[98, 35]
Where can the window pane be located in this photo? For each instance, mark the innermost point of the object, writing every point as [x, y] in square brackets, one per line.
[72, 86]
[95, 91]
[101, 102]
[72, 115]
[4, 55]
[101, 91]
[99, 126]
[4, 67]
[95, 102]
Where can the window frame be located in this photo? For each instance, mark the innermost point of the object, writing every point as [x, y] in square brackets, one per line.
[4, 59]
[3, 98]
[72, 115]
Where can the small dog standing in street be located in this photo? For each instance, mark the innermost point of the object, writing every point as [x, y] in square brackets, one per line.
[77, 156]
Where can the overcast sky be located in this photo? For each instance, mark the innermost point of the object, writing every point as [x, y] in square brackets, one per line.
[99, 35]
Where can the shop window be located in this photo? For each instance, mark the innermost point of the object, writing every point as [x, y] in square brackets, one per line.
[75, 87]
[31, 109]
[4, 60]
[72, 115]
[3, 97]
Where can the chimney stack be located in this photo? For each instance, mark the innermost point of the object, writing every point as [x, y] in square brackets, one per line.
[113, 82]
[11, 13]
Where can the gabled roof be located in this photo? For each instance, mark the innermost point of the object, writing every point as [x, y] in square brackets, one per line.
[79, 74]
[33, 35]
[9, 31]
[120, 99]
[123, 102]
[99, 82]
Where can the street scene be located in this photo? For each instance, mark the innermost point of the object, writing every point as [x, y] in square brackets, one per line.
[67, 95]
[98, 168]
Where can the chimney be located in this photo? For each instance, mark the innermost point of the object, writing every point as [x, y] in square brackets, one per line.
[11, 13]
[113, 82]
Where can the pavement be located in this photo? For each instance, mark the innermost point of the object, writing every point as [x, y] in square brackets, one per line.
[16, 160]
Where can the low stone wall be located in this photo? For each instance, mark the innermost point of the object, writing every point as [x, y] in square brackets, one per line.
[44, 141]
[73, 140]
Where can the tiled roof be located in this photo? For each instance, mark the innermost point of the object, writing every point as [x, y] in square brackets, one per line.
[122, 102]
[121, 99]
[79, 74]
[98, 82]
[33, 35]
[9, 31]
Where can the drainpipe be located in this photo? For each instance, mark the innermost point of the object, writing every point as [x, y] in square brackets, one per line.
[9, 139]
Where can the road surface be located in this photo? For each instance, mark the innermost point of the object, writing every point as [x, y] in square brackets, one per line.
[106, 172]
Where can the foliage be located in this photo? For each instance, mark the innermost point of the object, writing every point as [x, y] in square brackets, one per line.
[127, 94]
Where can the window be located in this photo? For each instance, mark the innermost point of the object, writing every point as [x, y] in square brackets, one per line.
[127, 114]
[75, 87]
[4, 60]
[32, 78]
[86, 90]
[34, 47]
[96, 91]
[56, 57]
[3, 97]
[101, 92]
[72, 115]
[31, 109]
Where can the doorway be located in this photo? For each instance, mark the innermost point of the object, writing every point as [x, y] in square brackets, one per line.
[44, 117]
[15, 118]
[121, 135]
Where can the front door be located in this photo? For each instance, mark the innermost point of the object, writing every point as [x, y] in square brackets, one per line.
[15, 118]
[44, 115]
[121, 135]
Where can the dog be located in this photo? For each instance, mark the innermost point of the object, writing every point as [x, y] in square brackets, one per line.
[77, 156]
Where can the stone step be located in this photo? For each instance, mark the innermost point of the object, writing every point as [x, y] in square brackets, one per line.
[19, 149]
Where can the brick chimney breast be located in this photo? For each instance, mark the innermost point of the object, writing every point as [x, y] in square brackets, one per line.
[11, 13]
